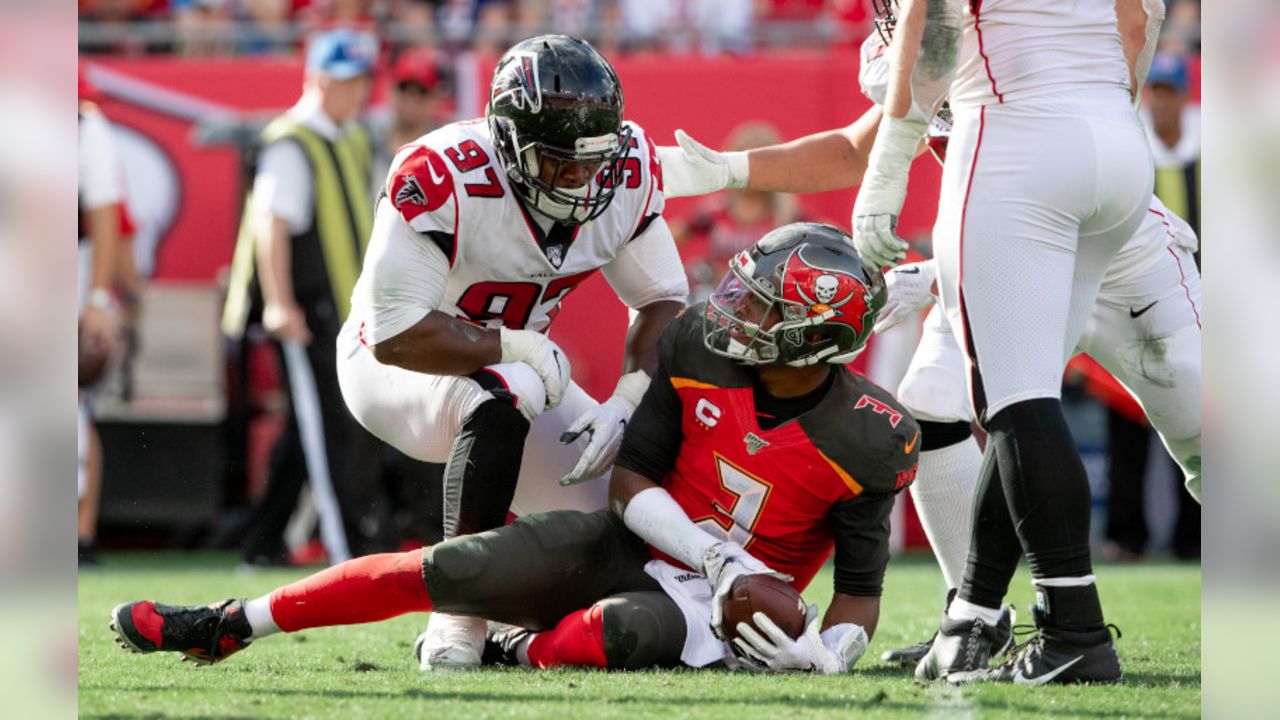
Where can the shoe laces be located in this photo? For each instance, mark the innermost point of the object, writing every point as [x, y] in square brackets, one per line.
[971, 647]
[197, 618]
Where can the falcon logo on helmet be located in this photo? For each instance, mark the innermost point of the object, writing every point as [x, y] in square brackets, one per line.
[518, 81]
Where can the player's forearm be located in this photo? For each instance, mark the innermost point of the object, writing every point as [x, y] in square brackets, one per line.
[441, 345]
[903, 53]
[862, 611]
[653, 515]
[104, 234]
[641, 349]
[829, 160]
[274, 256]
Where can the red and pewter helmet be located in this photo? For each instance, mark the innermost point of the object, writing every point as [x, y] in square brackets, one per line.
[799, 296]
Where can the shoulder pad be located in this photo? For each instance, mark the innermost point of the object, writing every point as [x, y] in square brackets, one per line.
[421, 183]
[868, 433]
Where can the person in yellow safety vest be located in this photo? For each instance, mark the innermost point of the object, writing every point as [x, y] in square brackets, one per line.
[307, 218]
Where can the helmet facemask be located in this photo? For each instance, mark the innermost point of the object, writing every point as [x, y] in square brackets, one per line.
[572, 205]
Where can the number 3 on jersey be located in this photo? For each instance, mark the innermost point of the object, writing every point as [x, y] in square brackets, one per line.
[749, 496]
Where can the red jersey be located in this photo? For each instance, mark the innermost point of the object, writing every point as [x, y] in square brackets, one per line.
[788, 493]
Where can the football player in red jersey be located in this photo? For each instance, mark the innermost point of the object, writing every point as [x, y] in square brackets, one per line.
[754, 450]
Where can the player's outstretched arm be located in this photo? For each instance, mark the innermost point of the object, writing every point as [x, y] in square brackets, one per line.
[828, 160]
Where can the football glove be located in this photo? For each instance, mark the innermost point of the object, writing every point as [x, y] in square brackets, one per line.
[544, 356]
[909, 289]
[724, 563]
[695, 169]
[605, 424]
[833, 651]
[884, 189]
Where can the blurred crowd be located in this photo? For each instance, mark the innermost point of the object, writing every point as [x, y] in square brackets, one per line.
[254, 27]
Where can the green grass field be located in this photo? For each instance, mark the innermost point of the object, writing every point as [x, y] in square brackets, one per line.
[368, 672]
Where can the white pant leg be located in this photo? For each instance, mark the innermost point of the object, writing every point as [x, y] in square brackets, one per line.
[1022, 190]
[933, 386]
[421, 414]
[1156, 355]
[417, 413]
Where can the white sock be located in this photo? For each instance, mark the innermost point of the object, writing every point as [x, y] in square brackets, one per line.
[1082, 581]
[258, 613]
[943, 494]
[965, 610]
[522, 650]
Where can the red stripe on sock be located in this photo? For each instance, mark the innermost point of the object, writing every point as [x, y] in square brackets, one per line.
[366, 589]
[578, 641]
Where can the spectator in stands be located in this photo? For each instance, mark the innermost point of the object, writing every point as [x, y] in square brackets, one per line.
[307, 219]
[729, 222]
[204, 27]
[411, 23]
[264, 27]
[120, 26]
[414, 107]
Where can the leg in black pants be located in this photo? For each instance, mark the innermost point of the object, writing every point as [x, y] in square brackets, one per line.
[1128, 443]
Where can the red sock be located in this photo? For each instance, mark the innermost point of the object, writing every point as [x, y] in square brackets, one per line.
[366, 589]
[578, 640]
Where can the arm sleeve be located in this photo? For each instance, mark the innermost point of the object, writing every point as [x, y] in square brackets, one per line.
[654, 434]
[648, 268]
[282, 185]
[403, 278]
[99, 173]
[861, 528]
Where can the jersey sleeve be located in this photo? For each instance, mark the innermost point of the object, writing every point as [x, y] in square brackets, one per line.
[861, 528]
[648, 269]
[403, 277]
[100, 183]
[645, 157]
[869, 436]
[421, 188]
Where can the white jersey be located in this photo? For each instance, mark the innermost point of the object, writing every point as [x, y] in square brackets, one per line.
[450, 235]
[1016, 49]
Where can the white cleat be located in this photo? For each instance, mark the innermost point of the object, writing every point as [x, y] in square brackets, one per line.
[450, 642]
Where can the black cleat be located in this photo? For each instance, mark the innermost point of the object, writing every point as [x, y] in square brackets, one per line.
[964, 645]
[204, 634]
[1055, 655]
[911, 655]
[501, 643]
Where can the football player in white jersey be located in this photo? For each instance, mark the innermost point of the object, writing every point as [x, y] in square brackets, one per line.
[482, 229]
[1026, 230]
[1157, 357]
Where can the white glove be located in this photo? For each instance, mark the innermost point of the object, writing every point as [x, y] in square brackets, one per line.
[544, 356]
[884, 189]
[909, 289]
[695, 169]
[830, 652]
[724, 563]
[605, 423]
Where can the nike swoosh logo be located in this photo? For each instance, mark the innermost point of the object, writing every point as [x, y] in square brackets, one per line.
[1020, 679]
[1136, 313]
[910, 271]
[906, 449]
[435, 179]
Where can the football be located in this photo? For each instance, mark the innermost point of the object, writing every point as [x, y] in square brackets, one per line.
[775, 598]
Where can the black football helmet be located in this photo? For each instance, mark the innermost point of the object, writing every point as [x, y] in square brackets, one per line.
[555, 100]
[799, 296]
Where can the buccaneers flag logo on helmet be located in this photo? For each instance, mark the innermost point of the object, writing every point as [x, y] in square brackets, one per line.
[832, 294]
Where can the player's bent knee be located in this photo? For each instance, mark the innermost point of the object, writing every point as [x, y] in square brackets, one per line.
[642, 630]
[935, 393]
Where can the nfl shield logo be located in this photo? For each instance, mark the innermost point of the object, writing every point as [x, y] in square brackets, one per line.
[754, 443]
